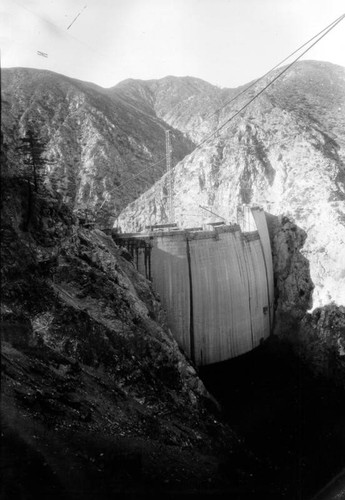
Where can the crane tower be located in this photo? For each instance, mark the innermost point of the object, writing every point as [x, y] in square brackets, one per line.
[170, 204]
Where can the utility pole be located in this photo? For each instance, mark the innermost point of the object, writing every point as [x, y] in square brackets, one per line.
[170, 207]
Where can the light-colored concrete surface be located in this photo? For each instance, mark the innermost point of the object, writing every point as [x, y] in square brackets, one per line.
[170, 278]
[261, 224]
[258, 290]
[216, 286]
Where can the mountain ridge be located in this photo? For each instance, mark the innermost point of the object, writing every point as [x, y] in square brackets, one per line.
[96, 142]
[285, 151]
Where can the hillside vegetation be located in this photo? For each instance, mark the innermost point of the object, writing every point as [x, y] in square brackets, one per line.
[96, 140]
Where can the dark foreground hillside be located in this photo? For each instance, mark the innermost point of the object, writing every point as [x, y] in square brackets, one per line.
[96, 397]
[98, 401]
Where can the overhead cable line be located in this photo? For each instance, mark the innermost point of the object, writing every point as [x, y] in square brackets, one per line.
[255, 82]
[323, 33]
[269, 84]
[76, 17]
[246, 147]
[63, 30]
[117, 188]
[213, 213]
[156, 121]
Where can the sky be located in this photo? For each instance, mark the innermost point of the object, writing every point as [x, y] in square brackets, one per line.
[225, 42]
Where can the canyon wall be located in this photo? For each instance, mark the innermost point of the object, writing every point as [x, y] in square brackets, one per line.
[318, 336]
[285, 152]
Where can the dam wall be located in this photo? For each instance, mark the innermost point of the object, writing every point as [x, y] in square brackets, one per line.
[261, 224]
[221, 314]
[214, 285]
[170, 278]
[257, 287]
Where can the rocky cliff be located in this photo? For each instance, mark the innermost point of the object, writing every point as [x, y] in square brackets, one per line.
[96, 395]
[95, 140]
[318, 337]
[284, 152]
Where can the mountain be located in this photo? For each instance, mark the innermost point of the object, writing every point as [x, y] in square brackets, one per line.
[97, 399]
[285, 152]
[96, 140]
[185, 103]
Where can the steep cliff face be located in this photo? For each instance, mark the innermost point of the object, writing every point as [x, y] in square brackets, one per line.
[95, 391]
[96, 140]
[322, 342]
[318, 337]
[293, 285]
[78, 293]
[286, 153]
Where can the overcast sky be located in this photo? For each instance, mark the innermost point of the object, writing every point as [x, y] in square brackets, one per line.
[226, 42]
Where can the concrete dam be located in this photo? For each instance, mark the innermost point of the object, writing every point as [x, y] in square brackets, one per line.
[216, 286]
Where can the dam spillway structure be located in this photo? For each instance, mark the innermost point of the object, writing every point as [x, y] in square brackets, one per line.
[216, 286]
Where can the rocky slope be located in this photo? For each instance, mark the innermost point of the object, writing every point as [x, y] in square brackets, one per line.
[318, 338]
[96, 395]
[96, 139]
[284, 152]
[321, 343]
[185, 103]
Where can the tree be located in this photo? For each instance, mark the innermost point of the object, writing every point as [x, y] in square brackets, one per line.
[33, 149]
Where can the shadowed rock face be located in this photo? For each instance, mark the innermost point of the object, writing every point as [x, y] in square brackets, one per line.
[293, 284]
[322, 342]
[69, 289]
[96, 395]
[318, 337]
[284, 152]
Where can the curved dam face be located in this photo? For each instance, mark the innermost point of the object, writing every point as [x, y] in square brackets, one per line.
[216, 286]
